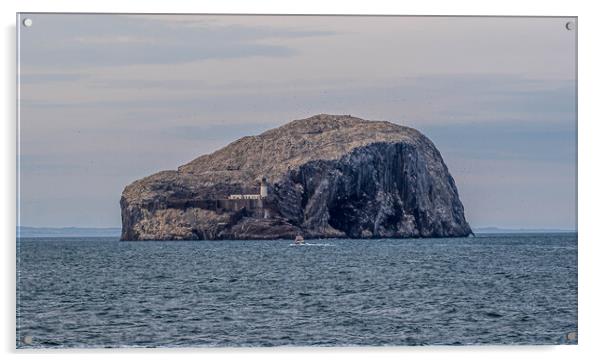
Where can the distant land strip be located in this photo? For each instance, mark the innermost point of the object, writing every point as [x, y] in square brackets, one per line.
[497, 230]
[45, 232]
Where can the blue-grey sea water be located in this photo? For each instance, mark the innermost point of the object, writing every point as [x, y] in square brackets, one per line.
[490, 289]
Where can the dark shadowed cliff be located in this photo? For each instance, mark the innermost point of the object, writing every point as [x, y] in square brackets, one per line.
[325, 176]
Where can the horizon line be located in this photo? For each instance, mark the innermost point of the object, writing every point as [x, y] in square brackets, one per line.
[475, 227]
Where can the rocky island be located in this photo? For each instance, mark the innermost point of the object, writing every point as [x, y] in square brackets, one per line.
[327, 176]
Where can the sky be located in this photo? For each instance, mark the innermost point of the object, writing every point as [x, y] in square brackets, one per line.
[107, 99]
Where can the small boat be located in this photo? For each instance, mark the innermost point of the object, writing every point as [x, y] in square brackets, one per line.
[299, 240]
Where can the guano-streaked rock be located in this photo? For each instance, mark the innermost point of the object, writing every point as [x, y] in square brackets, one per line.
[327, 176]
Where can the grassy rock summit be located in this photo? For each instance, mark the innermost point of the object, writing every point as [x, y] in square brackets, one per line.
[324, 176]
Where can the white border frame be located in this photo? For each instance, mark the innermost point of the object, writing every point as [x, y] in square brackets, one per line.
[588, 171]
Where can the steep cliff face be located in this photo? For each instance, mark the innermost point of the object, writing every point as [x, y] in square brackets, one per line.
[327, 176]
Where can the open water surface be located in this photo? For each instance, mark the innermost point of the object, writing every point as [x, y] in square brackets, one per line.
[491, 289]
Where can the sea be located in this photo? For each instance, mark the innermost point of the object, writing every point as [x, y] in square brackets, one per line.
[489, 289]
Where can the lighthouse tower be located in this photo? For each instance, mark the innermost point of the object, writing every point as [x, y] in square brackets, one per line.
[263, 189]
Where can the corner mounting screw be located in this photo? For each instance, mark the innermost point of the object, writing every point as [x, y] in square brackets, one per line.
[570, 25]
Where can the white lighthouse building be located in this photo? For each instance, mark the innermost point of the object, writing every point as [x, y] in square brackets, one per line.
[263, 189]
[263, 193]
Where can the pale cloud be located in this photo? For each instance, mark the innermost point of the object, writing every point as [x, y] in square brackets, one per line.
[112, 40]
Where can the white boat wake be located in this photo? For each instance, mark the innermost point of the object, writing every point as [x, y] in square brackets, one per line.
[310, 244]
